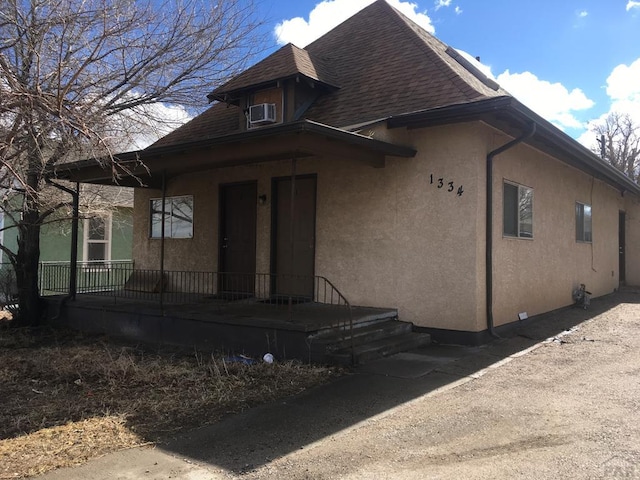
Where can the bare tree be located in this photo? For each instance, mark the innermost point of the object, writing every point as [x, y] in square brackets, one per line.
[619, 139]
[78, 76]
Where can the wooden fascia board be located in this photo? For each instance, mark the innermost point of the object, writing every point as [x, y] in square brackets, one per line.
[301, 139]
[510, 116]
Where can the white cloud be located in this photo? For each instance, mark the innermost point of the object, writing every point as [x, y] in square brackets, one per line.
[624, 91]
[632, 4]
[486, 69]
[583, 14]
[623, 85]
[553, 101]
[161, 119]
[330, 13]
[458, 10]
[138, 128]
[588, 138]
[442, 3]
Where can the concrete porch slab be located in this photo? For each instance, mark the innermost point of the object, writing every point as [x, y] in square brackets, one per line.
[250, 328]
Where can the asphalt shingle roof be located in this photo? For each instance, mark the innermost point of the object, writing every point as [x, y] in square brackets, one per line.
[383, 63]
[219, 119]
[286, 62]
[389, 65]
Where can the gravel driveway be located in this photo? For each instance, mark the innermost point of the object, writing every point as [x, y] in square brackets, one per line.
[567, 409]
[518, 408]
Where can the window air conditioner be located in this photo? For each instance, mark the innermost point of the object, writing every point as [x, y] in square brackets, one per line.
[262, 113]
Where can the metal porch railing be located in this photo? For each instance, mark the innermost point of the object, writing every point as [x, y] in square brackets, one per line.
[96, 276]
[120, 280]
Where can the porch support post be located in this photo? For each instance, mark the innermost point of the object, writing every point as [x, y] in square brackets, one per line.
[292, 207]
[75, 218]
[73, 258]
[162, 233]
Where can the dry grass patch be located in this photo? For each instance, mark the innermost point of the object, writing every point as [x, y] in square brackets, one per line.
[62, 446]
[67, 398]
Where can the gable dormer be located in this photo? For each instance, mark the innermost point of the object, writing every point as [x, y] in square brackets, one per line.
[279, 89]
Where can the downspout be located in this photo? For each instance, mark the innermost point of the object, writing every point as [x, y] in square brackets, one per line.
[489, 219]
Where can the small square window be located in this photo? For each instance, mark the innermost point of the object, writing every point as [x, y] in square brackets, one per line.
[178, 219]
[583, 223]
[517, 211]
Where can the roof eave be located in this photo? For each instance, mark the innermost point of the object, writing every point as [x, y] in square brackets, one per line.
[488, 110]
[78, 171]
[222, 95]
[271, 131]
[592, 162]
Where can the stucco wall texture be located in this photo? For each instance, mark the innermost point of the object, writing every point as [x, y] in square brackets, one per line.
[632, 247]
[538, 275]
[411, 235]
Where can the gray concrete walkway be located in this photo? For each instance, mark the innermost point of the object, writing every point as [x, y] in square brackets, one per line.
[265, 442]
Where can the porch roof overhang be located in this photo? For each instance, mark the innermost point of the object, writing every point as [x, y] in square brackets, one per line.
[510, 116]
[305, 138]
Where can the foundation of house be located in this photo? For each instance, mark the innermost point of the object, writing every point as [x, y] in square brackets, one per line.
[309, 331]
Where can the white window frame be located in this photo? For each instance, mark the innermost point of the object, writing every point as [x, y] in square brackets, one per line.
[86, 241]
[582, 235]
[520, 233]
[168, 228]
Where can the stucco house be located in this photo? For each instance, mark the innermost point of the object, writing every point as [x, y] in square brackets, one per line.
[382, 160]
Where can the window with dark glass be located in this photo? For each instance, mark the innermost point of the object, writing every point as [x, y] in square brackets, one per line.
[178, 219]
[517, 210]
[97, 239]
[583, 222]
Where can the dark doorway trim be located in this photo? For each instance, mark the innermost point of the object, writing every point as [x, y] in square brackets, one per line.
[245, 278]
[274, 221]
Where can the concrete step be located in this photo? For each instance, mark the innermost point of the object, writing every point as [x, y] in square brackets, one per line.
[360, 320]
[362, 333]
[381, 347]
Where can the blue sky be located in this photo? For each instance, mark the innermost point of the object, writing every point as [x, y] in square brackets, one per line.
[572, 61]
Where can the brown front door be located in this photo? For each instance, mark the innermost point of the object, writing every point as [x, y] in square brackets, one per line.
[294, 236]
[237, 238]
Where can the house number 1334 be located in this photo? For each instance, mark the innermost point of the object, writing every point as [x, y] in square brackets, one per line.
[448, 186]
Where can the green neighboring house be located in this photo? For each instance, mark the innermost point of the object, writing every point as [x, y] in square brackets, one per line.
[104, 238]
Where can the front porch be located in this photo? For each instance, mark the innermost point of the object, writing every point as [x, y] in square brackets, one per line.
[239, 314]
[251, 202]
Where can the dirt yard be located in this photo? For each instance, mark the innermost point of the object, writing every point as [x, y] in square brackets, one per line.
[519, 408]
[66, 398]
